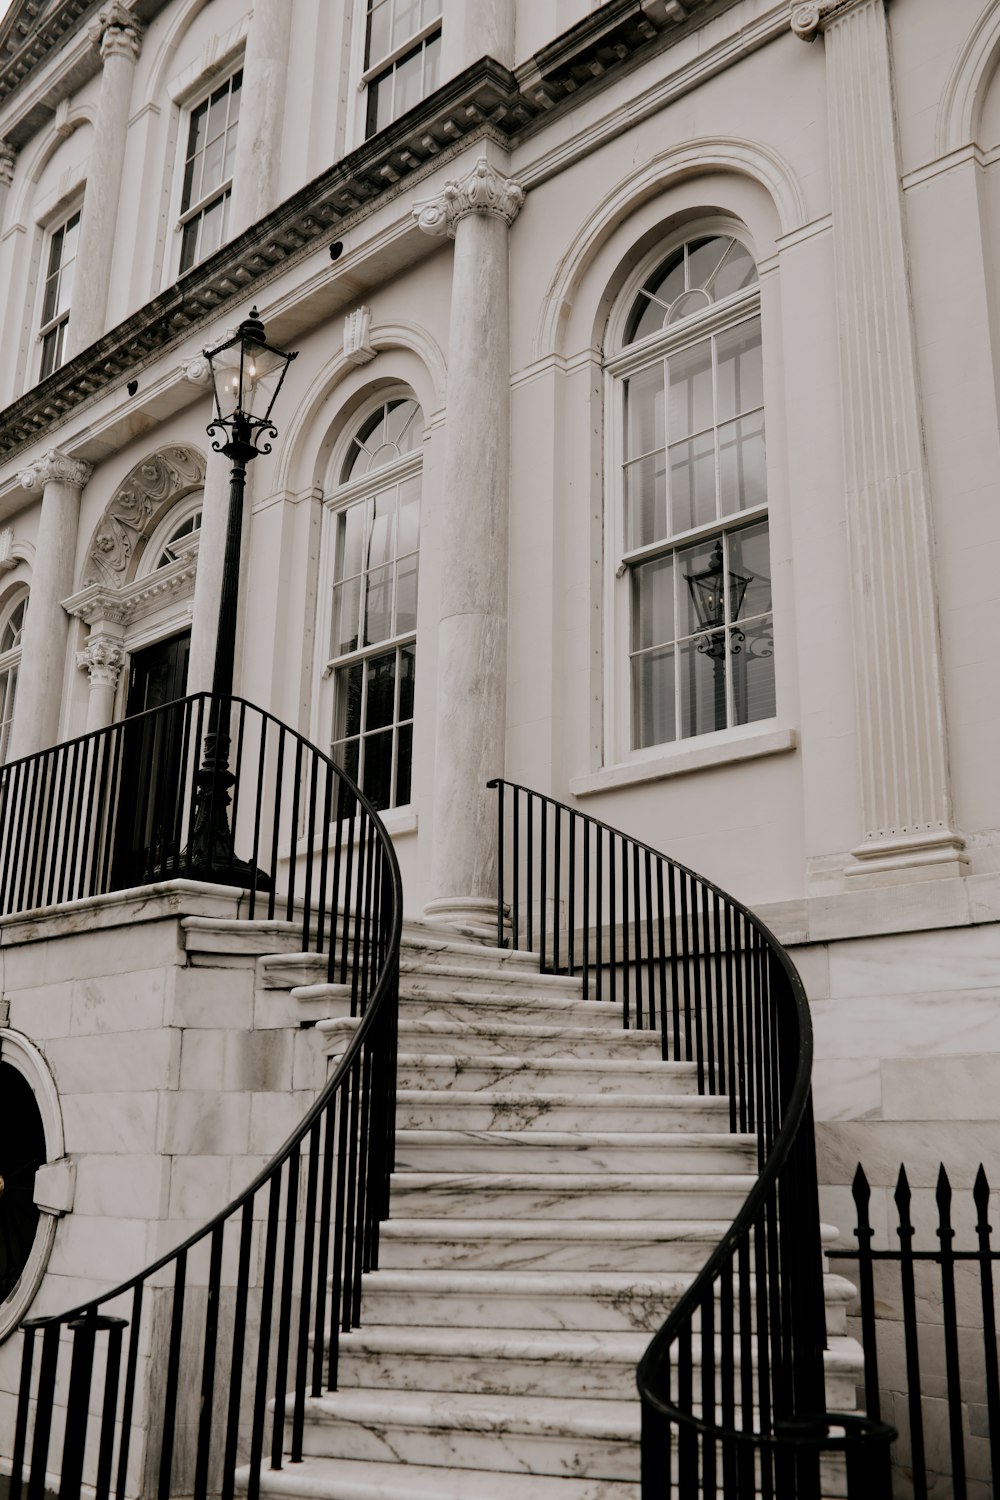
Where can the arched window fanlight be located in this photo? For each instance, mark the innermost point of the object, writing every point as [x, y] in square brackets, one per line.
[178, 542]
[701, 272]
[389, 433]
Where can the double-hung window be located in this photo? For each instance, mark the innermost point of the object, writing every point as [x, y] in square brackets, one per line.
[11, 628]
[372, 648]
[693, 570]
[208, 172]
[402, 57]
[57, 292]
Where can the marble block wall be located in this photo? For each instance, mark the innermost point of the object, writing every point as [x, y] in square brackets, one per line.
[177, 1078]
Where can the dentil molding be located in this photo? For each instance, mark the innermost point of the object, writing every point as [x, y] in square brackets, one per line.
[56, 467]
[484, 190]
[116, 31]
[809, 19]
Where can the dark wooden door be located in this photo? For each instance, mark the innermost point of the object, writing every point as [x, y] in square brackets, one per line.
[151, 795]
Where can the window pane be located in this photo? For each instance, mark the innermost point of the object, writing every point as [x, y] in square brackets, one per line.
[653, 718]
[350, 540]
[689, 403]
[653, 603]
[346, 616]
[404, 760]
[406, 21]
[345, 753]
[409, 515]
[406, 595]
[380, 104]
[737, 271]
[212, 173]
[749, 559]
[702, 668]
[211, 228]
[409, 84]
[218, 111]
[692, 482]
[432, 64]
[644, 407]
[189, 244]
[381, 545]
[378, 606]
[381, 701]
[701, 585]
[740, 372]
[742, 473]
[348, 685]
[379, 26]
[752, 658]
[703, 259]
[377, 774]
[407, 678]
[646, 500]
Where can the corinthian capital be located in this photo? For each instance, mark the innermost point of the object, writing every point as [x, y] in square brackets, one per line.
[55, 467]
[103, 658]
[116, 31]
[483, 191]
[809, 19]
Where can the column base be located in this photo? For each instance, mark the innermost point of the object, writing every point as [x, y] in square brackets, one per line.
[470, 917]
[928, 854]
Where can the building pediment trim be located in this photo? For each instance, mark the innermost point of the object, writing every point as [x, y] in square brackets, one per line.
[99, 604]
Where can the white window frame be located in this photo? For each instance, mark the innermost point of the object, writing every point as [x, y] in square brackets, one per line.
[183, 216]
[728, 313]
[58, 222]
[338, 499]
[10, 662]
[369, 74]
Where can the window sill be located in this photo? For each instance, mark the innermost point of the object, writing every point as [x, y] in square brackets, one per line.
[723, 749]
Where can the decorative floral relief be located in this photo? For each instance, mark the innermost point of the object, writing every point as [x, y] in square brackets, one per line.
[127, 517]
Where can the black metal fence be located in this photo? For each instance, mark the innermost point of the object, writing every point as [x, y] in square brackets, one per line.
[166, 1384]
[927, 1320]
[675, 954]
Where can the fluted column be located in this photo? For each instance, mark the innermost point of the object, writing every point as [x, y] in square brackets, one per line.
[906, 799]
[258, 139]
[102, 658]
[46, 627]
[118, 35]
[471, 29]
[477, 210]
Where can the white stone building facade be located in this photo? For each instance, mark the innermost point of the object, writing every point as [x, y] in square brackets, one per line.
[553, 271]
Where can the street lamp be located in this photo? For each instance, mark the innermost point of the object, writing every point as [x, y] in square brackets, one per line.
[708, 595]
[247, 374]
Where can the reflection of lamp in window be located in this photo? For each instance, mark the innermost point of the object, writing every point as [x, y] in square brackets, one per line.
[708, 595]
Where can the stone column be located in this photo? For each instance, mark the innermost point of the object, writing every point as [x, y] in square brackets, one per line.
[103, 657]
[477, 211]
[471, 29]
[46, 626]
[258, 139]
[118, 35]
[8, 160]
[906, 798]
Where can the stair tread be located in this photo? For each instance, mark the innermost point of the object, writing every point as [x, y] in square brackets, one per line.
[654, 1067]
[574, 1229]
[489, 1343]
[362, 1479]
[525, 1283]
[578, 1140]
[576, 1182]
[582, 1416]
[519, 1030]
[598, 1101]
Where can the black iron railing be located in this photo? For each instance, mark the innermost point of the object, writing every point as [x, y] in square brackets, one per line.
[198, 1350]
[943, 1299]
[678, 956]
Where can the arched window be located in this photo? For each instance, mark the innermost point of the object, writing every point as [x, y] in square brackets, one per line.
[11, 628]
[692, 562]
[372, 642]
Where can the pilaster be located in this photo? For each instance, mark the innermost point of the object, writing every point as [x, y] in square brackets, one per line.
[477, 211]
[906, 801]
[61, 480]
[258, 140]
[471, 29]
[118, 35]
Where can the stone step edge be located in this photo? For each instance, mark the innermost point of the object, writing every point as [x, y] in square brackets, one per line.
[528, 1031]
[317, 1478]
[513, 1099]
[614, 1420]
[590, 1230]
[514, 1063]
[412, 1181]
[582, 1141]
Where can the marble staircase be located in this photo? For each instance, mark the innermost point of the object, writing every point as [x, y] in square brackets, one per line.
[557, 1187]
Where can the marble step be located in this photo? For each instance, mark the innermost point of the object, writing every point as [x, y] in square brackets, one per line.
[565, 1244]
[569, 1362]
[537, 1300]
[340, 1479]
[540, 1300]
[581, 1196]
[572, 1151]
[284, 970]
[513, 1434]
[321, 1001]
[484, 1038]
[513, 1108]
[416, 978]
[541, 1075]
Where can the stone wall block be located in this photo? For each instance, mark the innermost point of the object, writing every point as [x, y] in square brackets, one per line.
[85, 1247]
[122, 1186]
[119, 1002]
[941, 1088]
[202, 1059]
[41, 1012]
[195, 1122]
[97, 1064]
[107, 1123]
[309, 1066]
[211, 998]
[274, 1117]
[258, 1061]
[199, 1187]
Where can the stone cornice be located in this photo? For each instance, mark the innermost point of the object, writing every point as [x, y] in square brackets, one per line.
[486, 101]
[484, 190]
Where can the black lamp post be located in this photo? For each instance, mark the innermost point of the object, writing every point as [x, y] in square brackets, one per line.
[247, 374]
[708, 595]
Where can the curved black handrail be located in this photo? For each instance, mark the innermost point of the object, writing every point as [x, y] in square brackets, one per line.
[681, 956]
[252, 1303]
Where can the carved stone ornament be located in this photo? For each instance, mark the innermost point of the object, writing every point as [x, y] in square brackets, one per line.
[483, 191]
[116, 31]
[810, 19]
[103, 658]
[55, 467]
[128, 515]
[8, 160]
[197, 370]
[357, 336]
